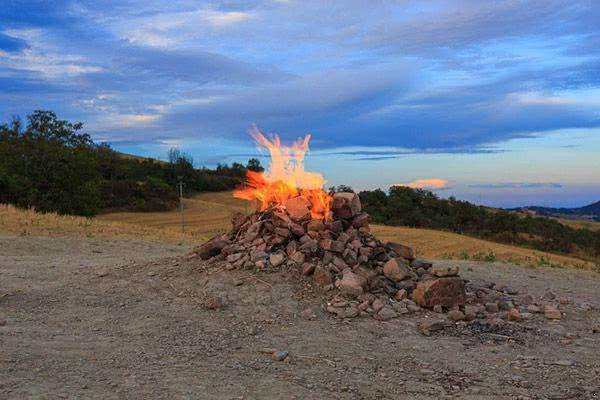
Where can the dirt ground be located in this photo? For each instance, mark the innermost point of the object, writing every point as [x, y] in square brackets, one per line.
[121, 319]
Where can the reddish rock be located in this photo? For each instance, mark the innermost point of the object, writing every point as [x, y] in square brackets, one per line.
[212, 248]
[402, 251]
[297, 229]
[385, 314]
[343, 238]
[298, 258]
[308, 268]
[552, 312]
[444, 271]
[325, 244]
[377, 305]
[322, 277]
[361, 220]
[338, 246]
[396, 270]
[428, 326]
[315, 225]
[283, 232]
[351, 284]
[339, 263]
[313, 234]
[401, 295]
[276, 259]
[350, 257]
[298, 208]
[446, 292]
[345, 205]
[365, 252]
[456, 315]
[471, 313]
[291, 248]
[309, 246]
[514, 315]
[281, 219]
[356, 244]
[421, 264]
[336, 226]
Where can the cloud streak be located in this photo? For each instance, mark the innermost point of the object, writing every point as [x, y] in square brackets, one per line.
[430, 184]
[517, 185]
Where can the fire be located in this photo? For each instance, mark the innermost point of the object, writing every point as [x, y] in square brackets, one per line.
[285, 178]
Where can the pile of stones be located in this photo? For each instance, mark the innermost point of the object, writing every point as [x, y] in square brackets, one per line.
[364, 276]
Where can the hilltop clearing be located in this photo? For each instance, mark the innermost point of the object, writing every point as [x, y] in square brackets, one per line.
[210, 213]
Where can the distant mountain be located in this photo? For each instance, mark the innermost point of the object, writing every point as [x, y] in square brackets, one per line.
[591, 211]
[593, 208]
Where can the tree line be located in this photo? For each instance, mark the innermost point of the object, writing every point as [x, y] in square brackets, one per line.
[50, 164]
[403, 206]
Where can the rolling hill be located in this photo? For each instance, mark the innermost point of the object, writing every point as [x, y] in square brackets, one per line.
[589, 212]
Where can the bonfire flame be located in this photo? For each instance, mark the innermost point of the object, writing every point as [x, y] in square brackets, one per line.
[285, 178]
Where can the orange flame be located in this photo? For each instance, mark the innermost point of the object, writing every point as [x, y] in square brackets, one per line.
[285, 178]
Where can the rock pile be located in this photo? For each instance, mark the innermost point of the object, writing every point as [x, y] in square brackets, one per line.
[366, 276]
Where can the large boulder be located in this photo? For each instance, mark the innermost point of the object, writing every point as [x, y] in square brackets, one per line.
[345, 205]
[445, 292]
[213, 247]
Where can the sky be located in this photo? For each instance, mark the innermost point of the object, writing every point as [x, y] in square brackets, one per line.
[496, 102]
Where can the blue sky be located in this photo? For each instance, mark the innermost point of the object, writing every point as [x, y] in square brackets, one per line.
[500, 100]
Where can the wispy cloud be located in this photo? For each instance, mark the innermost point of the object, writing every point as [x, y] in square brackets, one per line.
[517, 185]
[430, 183]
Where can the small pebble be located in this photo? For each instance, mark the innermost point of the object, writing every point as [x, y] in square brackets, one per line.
[280, 355]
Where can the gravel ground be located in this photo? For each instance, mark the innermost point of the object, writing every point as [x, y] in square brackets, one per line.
[98, 319]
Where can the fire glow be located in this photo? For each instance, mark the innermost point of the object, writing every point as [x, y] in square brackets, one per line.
[285, 178]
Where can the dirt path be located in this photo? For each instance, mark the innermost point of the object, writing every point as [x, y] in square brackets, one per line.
[99, 319]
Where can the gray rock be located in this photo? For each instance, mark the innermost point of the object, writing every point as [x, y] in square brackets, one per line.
[386, 313]
[280, 355]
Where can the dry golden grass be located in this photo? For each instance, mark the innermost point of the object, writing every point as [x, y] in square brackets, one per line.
[430, 243]
[579, 224]
[205, 215]
[31, 223]
[210, 213]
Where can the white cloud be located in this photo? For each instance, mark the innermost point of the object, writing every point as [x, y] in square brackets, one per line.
[45, 58]
[120, 121]
[539, 99]
[431, 183]
[220, 19]
[170, 29]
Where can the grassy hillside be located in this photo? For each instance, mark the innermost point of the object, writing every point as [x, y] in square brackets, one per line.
[23, 222]
[402, 206]
[209, 213]
[580, 224]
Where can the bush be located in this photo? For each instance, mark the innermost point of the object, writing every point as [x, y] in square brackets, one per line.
[52, 166]
[421, 208]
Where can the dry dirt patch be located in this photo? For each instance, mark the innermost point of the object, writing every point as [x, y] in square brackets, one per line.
[96, 319]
